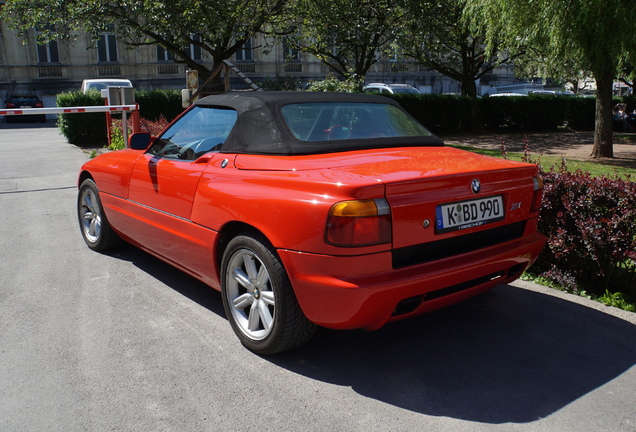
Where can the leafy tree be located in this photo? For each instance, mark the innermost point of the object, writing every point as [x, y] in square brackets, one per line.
[345, 35]
[218, 27]
[599, 34]
[437, 34]
[628, 76]
[332, 84]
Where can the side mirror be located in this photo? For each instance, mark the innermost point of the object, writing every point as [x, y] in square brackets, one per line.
[139, 141]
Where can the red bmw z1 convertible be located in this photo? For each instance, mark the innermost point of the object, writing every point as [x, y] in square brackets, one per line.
[314, 209]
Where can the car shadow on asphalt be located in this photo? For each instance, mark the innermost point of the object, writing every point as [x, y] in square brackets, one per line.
[172, 277]
[507, 356]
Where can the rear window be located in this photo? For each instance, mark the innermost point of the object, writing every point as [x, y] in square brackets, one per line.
[100, 85]
[24, 100]
[340, 121]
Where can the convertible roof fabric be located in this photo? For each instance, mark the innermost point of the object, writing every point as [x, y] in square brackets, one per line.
[261, 129]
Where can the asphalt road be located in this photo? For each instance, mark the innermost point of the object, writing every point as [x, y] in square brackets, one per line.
[123, 342]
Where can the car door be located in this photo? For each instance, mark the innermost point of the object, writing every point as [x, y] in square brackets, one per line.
[164, 180]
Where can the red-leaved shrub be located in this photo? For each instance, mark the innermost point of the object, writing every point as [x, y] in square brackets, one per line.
[590, 223]
[153, 127]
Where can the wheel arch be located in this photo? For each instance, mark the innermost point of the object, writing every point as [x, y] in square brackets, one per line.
[228, 232]
[83, 176]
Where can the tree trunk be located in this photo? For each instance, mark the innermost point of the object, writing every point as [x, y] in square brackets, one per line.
[469, 89]
[603, 128]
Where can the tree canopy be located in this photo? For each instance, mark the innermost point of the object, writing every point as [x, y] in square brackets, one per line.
[445, 42]
[346, 35]
[598, 34]
[219, 27]
[461, 39]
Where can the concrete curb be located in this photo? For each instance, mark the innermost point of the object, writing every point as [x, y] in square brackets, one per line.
[618, 313]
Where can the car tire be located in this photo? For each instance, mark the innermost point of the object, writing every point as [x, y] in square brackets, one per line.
[94, 226]
[258, 297]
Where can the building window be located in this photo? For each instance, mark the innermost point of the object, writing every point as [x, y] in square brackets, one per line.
[195, 50]
[163, 55]
[290, 54]
[48, 53]
[245, 53]
[107, 48]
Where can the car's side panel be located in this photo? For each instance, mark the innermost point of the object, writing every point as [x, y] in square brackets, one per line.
[111, 171]
[167, 185]
[289, 208]
[179, 241]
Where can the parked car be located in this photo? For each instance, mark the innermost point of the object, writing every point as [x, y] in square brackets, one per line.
[380, 88]
[104, 83]
[24, 101]
[314, 209]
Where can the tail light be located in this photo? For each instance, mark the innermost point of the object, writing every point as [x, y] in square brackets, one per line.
[537, 197]
[359, 223]
[39, 105]
[10, 105]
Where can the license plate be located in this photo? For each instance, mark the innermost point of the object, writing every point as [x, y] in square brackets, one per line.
[468, 214]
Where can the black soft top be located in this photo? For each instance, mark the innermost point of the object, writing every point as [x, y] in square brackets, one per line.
[261, 129]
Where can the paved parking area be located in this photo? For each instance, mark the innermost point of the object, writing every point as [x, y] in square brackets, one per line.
[124, 342]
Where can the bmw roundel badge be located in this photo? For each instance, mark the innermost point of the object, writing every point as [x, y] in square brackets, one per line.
[475, 186]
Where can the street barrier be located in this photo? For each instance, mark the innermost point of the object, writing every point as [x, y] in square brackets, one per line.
[108, 109]
[69, 110]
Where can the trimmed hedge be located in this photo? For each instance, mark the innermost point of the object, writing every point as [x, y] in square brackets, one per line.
[154, 104]
[91, 128]
[440, 113]
[533, 112]
[450, 113]
[84, 128]
[581, 113]
[447, 113]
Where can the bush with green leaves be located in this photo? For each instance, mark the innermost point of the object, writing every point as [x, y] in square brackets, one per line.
[154, 104]
[91, 128]
[439, 113]
[581, 114]
[332, 83]
[532, 112]
[82, 128]
[281, 83]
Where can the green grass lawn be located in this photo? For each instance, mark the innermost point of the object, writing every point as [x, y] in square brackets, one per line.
[596, 169]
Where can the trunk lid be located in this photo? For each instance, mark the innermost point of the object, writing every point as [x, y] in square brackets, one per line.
[423, 184]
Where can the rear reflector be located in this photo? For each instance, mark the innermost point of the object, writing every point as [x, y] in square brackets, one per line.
[537, 197]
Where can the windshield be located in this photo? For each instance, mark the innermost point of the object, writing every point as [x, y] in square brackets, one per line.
[340, 121]
[99, 85]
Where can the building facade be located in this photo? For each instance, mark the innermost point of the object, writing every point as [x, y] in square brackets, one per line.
[60, 66]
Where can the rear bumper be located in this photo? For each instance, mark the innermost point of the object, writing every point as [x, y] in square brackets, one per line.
[365, 292]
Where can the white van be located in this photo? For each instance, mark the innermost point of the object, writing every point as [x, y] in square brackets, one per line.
[103, 83]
